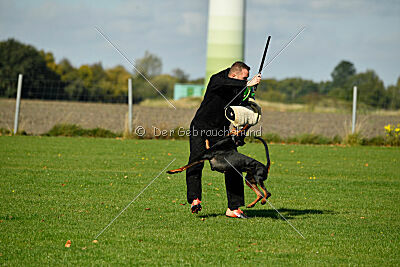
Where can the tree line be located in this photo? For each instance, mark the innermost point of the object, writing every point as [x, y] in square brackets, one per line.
[371, 89]
[44, 78]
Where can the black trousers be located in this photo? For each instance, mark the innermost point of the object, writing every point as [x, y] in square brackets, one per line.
[233, 180]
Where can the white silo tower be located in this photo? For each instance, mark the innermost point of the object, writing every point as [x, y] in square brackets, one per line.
[225, 41]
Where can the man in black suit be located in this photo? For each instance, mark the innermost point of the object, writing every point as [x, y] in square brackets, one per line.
[209, 123]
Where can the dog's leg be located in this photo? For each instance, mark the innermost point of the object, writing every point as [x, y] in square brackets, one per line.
[256, 190]
[266, 193]
[181, 169]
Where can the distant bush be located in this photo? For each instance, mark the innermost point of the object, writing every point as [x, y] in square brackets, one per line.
[273, 137]
[354, 139]
[376, 141]
[337, 139]
[392, 137]
[4, 131]
[314, 139]
[180, 133]
[76, 130]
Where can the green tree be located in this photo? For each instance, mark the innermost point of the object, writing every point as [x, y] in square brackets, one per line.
[393, 94]
[342, 73]
[75, 88]
[181, 76]
[50, 60]
[342, 81]
[324, 87]
[267, 85]
[165, 84]
[143, 90]
[268, 90]
[150, 65]
[271, 95]
[296, 88]
[16, 58]
[118, 80]
[197, 81]
[118, 75]
[64, 68]
[99, 86]
[94, 83]
[371, 90]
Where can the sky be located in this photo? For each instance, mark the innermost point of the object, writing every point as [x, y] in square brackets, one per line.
[364, 32]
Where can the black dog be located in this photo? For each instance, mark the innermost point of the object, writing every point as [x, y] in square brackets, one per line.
[223, 156]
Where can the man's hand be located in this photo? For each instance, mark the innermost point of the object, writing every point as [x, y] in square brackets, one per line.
[255, 80]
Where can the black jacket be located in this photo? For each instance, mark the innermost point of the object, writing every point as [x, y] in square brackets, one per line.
[220, 91]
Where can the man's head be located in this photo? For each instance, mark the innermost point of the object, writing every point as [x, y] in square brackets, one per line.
[239, 70]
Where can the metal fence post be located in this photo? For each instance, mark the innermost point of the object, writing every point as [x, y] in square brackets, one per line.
[130, 104]
[19, 88]
[354, 109]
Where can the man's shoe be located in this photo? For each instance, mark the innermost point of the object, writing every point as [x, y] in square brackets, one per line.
[235, 214]
[196, 206]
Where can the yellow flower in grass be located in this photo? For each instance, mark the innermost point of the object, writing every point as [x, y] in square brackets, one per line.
[388, 128]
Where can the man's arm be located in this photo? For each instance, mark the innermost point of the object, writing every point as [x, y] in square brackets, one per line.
[227, 82]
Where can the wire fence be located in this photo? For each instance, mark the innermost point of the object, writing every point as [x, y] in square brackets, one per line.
[47, 102]
[71, 90]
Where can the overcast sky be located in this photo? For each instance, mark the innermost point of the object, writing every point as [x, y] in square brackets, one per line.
[365, 32]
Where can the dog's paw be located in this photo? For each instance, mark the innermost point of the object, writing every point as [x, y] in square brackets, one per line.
[264, 200]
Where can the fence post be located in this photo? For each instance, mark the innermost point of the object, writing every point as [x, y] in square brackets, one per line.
[19, 88]
[354, 109]
[130, 104]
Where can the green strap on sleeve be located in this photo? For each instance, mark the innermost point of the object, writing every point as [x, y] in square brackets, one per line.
[249, 92]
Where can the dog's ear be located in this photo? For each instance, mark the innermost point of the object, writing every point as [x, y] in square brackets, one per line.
[207, 144]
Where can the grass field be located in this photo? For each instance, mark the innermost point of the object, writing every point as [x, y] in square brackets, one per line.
[344, 200]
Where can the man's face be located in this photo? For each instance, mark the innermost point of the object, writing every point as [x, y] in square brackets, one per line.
[243, 75]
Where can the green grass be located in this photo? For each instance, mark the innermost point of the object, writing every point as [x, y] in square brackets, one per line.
[58, 189]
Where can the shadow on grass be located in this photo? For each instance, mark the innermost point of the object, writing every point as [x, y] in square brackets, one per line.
[271, 213]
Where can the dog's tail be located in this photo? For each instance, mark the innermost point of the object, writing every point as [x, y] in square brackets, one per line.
[176, 170]
[266, 151]
[181, 169]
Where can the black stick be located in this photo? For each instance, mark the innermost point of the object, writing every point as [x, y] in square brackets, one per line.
[263, 58]
[264, 55]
